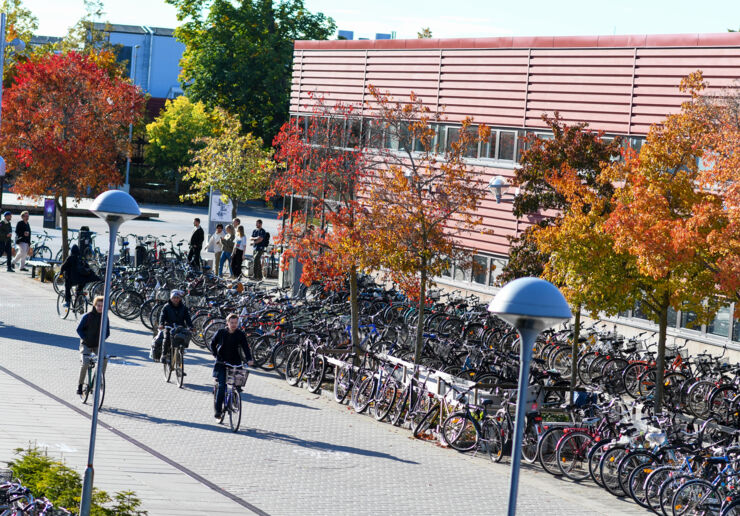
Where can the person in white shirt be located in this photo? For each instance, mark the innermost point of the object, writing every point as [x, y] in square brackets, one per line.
[214, 245]
[238, 256]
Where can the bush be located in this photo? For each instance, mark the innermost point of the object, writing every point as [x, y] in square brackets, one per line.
[62, 485]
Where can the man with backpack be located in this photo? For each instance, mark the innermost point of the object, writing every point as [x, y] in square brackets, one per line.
[260, 241]
[76, 271]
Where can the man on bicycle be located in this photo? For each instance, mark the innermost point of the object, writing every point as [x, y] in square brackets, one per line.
[174, 313]
[89, 332]
[229, 346]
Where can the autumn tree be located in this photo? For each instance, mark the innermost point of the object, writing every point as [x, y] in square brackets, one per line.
[663, 220]
[239, 55]
[326, 165]
[572, 146]
[420, 204]
[424, 33]
[178, 133]
[65, 122]
[235, 164]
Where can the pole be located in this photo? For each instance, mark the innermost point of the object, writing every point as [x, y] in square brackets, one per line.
[87, 486]
[130, 126]
[2, 73]
[528, 336]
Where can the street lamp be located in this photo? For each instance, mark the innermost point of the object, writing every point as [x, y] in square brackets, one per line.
[115, 207]
[497, 184]
[126, 186]
[530, 305]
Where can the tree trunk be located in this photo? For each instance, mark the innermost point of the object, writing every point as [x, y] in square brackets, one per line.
[65, 227]
[574, 354]
[660, 365]
[420, 319]
[355, 312]
[234, 208]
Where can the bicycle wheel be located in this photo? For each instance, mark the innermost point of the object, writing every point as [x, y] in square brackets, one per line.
[400, 407]
[102, 392]
[696, 497]
[146, 311]
[385, 399]
[262, 353]
[609, 469]
[58, 282]
[631, 378]
[342, 382]
[423, 429]
[731, 509]
[79, 305]
[178, 364]
[491, 436]
[594, 458]
[572, 455]
[651, 488]
[638, 459]
[280, 355]
[459, 432]
[363, 394]
[547, 450]
[235, 410]
[530, 440]
[636, 483]
[294, 367]
[167, 365]
[86, 387]
[315, 373]
[62, 311]
[668, 489]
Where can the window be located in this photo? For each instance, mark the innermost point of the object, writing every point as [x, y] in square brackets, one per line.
[472, 149]
[497, 267]
[638, 312]
[353, 132]
[373, 133]
[736, 331]
[488, 149]
[672, 317]
[451, 135]
[447, 270]
[688, 320]
[480, 269]
[461, 274]
[506, 145]
[721, 323]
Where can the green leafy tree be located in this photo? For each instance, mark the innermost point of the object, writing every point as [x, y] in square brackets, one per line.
[20, 23]
[236, 164]
[177, 132]
[239, 55]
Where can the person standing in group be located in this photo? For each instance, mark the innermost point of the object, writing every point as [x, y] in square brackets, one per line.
[89, 332]
[239, 247]
[259, 242]
[227, 248]
[196, 244]
[6, 239]
[23, 239]
[214, 245]
[236, 223]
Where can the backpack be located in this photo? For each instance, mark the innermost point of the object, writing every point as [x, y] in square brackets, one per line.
[83, 268]
[266, 239]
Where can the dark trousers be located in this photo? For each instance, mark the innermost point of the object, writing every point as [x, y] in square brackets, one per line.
[194, 256]
[258, 252]
[6, 248]
[236, 262]
[219, 373]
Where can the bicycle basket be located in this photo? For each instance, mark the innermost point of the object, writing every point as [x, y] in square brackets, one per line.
[237, 378]
[181, 337]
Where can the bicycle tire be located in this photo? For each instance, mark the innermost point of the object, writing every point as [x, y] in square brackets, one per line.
[86, 388]
[385, 400]
[167, 365]
[530, 444]
[280, 355]
[594, 458]
[609, 469]
[572, 455]
[178, 359]
[262, 353]
[235, 410]
[400, 408]
[342, 382]
[668, 489]
[631, 377]
[652, 486]
[492, 438]
[102, 392]
[58, 282]
[547, 450]
[145, 312]
[693, 496]
[636, 483]
[634, 459]
[460, 432]
[731, 509]
[421, 430]
[315, 374]
[363, 395]
[294, 367]
[62, 311]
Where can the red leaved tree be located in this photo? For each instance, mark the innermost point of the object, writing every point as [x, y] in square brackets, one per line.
[64, 127]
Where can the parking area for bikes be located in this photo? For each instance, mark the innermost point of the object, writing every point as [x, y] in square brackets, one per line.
[295, 453]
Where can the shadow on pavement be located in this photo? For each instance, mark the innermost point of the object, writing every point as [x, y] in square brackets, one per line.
[160, 420]
[38, 337]
[248, 397]
[318, 445]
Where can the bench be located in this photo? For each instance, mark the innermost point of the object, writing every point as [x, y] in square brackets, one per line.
[42, 264]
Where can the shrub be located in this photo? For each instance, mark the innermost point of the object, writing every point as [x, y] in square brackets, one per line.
[62, 485]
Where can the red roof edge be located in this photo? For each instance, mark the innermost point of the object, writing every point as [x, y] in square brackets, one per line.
[633, 40]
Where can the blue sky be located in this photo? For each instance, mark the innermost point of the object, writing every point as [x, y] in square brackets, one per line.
[450, 19]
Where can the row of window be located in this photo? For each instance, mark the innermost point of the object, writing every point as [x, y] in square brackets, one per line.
[482, 271]
[723, 324]
[504, 145]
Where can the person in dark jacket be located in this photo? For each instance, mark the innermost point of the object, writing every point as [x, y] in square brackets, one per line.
[229, 346]
[6, 239]
[196, 244]
[23, 239]
[89, 332]
[174, 313]
[76, 272]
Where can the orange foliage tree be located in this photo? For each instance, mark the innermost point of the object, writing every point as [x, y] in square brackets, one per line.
[324, 164]
[65, 120]
[422, 198]
[664, 221]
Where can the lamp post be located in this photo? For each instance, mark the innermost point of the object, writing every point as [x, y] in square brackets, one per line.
[115, 207]
[497, 184]
[530, 305]
[126, 186]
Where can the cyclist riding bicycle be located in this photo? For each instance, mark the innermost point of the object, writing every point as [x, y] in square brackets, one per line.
[229, 346]
[174, 313]
[89, 332]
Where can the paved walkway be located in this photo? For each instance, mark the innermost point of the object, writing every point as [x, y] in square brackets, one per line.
[297, 453]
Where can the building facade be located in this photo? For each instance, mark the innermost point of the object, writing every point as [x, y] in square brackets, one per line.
[618, 84]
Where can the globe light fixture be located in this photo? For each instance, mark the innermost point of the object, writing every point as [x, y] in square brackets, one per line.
[497, 184]
[530, 305]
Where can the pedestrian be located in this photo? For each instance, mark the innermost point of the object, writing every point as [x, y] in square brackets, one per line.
[227, 248]
[259, 243]
[23, 239]
[196, 244]
[229, 346]
[6, 239]
[239, 247]
[89, 332]
[236, 223]
[214, 245]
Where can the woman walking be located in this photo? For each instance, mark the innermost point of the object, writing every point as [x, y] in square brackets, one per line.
[227, 248]
[23, 239]
[238, 257]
